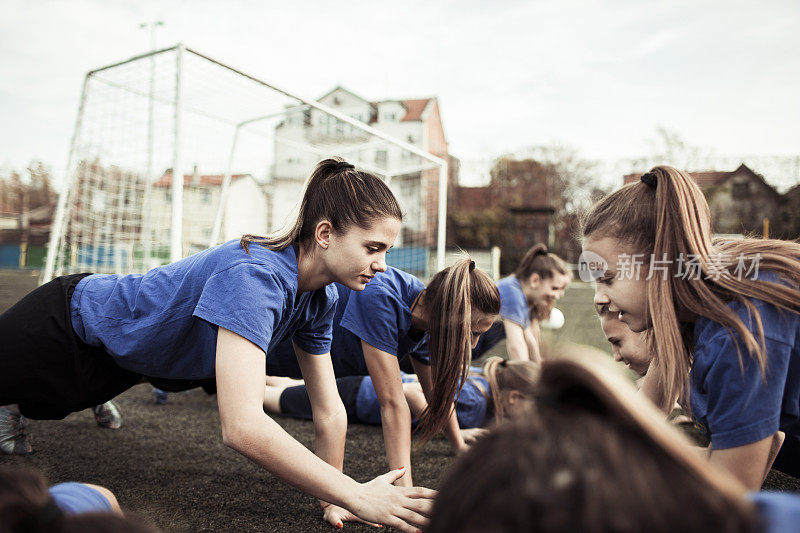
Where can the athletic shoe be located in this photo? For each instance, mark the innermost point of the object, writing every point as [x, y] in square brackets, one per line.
[160, 395]
[107, 415]
[13, 440]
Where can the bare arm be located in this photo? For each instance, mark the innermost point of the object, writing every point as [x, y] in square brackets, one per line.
[330, 418]
[747, 463]
[516, 344]
[533, 338]
[247, 429]
[451, 429]
[395, 414]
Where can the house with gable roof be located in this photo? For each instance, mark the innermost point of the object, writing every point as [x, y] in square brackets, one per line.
[306, 136]
[739, 200]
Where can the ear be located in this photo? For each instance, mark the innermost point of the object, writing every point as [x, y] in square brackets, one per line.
[513, 397]
[322, 233]
[534, 279]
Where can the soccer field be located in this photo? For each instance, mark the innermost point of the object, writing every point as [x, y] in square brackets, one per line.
[169, 465]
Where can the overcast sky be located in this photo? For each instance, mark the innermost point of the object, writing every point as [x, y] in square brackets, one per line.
[600, 76]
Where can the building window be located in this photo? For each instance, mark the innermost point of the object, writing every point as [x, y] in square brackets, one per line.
[205, 196]
[380, 158]
[740, 190]
[391, 117]
[411, 139]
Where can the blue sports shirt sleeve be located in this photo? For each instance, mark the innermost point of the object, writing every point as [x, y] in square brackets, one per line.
[316, 334]
[513, 305]
[372, 316]
[245, 299]
[736, 404]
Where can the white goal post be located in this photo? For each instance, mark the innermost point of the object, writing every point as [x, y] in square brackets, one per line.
[174, 151]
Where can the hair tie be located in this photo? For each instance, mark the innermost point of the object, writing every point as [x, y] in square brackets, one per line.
[541, 251]
[341, 166]
[471, 265]
[650, 179]
[504, 363]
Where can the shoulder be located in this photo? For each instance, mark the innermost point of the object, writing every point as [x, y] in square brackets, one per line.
[510, 289]
[397, 282]
[779, 325]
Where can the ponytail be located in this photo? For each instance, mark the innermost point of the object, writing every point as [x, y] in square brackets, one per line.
[506, 376]
[339, 193]
[449, 300]
[539, 261]
[666, 217]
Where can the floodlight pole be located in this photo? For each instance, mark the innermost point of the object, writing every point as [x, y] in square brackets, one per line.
[175, 249]
[67, 187]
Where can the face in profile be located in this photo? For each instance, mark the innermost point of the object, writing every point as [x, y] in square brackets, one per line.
[628, 347]
[356, 254]
[622, 289]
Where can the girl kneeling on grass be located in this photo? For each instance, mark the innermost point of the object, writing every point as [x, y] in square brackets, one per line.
[397, 316]
[725, 318]
[593, 455]
[80, 340]
[502, 389]
[527, 297]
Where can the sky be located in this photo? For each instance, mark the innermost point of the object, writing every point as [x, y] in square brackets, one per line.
[599, 76]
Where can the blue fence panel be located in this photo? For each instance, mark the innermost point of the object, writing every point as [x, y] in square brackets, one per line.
[9, 255]
[412, 259]
[101, 256]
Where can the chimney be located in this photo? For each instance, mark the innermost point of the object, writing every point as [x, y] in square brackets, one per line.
[195, 176]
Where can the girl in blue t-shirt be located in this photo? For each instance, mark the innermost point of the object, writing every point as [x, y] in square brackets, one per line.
[80, 340]
[725, 319]
[397, 317]
[527, 297]
[501, 389]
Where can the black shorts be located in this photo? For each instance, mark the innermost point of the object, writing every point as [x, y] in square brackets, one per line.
[44, 366]
[294, 401]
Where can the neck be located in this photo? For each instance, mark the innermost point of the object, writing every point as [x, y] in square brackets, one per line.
[311, 270]
[419, 315]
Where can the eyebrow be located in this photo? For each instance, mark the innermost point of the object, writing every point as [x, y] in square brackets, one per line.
[380, 245]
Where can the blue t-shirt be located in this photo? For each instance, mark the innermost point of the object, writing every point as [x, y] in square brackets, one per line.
[77, 498]
[513, 304]
[734, 404]
[380, 315]
[779, 511]
[470, 407]
[164, 323]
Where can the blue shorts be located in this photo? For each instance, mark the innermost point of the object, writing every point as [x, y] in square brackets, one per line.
[294, 401]
[77, 498]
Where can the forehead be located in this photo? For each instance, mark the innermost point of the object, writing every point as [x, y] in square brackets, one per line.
[609, 249]
[611, 324]
[383, 229]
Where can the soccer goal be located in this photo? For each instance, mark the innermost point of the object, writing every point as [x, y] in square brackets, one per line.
[174, 152]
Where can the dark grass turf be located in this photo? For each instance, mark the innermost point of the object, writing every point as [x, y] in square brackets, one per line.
[168, 464]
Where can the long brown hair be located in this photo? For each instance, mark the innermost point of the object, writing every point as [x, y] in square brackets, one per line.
[670, 221]
[449, 300]
[592, 456]
[506, 376]
[339, 193]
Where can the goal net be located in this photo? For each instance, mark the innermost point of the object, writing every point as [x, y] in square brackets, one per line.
[174, 152]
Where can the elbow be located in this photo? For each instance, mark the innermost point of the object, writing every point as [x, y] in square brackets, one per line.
[332, 420]
[235, 436]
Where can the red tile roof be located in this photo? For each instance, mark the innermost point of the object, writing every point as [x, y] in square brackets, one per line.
[213, 180]
[414, 108]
